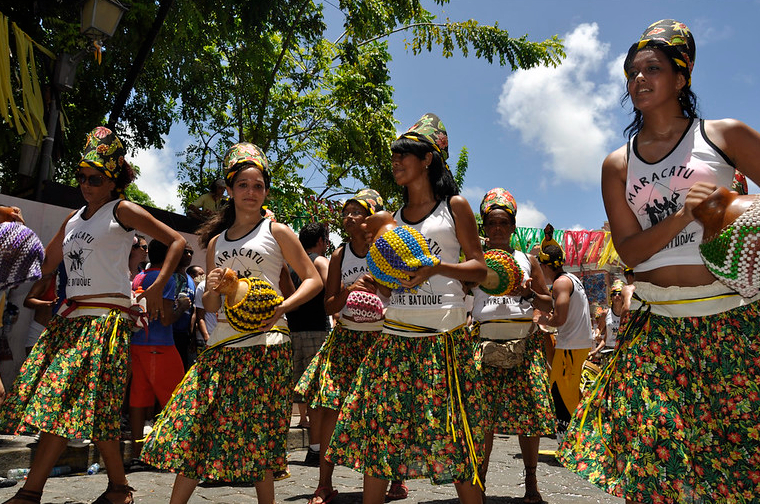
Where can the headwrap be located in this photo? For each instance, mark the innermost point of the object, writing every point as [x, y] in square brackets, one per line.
[243, 155]
[268, 214]
[369, 199]
[104, 152]
[617, 286]
[498, 198]
[552, 258]
[671, 37]
[430, 129]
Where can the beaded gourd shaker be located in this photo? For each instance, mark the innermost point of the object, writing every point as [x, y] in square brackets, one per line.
[364, 306]
[504, 274]
[249, 302]
[397, 253]
[731, 245]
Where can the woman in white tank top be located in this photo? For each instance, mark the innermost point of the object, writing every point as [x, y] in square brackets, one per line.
[518, 399]
[229, 418]
[72, 383]
[327, 380]
[394, 423]
[675, 414]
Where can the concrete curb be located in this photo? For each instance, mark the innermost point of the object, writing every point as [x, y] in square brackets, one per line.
[18, 451]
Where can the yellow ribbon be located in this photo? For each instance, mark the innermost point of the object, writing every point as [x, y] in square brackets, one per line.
[323, 374]
[455, 389]
[638, 321]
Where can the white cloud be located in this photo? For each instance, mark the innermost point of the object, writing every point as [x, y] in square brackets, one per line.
[566, 112]
[158, 175]
[530, 216]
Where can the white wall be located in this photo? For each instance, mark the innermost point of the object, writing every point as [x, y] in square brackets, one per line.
[45, 220]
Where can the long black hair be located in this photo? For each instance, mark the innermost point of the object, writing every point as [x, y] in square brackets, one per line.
[440, 177]
[687, 100]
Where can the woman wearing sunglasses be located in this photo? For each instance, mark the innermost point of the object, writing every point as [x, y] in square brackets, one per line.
[71, 385]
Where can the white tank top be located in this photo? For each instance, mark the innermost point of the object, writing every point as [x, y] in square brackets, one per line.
[438, 292]
[612, 323]
[96, 253]
[657, 190]
[487, 307]
[255, 255]
[575, 333]
[351, 268]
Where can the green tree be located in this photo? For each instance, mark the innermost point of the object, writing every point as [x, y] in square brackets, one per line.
[264, 72]
[315, 105]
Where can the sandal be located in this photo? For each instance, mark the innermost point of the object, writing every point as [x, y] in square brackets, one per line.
[112, 487]
[532, 496]
[323, 500]
[136, 465]
[397, 491]
[26, 496]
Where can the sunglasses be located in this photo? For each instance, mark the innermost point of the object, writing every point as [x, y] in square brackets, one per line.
[137, 245]
[92, 180]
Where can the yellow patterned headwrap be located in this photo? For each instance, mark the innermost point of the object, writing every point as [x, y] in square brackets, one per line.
[554, 258]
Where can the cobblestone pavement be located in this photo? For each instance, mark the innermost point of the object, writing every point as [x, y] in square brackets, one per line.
[505, 484]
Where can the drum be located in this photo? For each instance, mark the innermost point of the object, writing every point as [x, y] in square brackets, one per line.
[589, 372]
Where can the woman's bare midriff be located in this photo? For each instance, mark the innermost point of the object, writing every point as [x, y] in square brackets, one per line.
[684, 275]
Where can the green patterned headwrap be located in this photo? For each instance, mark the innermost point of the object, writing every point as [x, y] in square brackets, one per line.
[430, 129]
[104, 152]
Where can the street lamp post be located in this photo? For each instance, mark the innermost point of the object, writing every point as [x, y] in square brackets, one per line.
[98, 21]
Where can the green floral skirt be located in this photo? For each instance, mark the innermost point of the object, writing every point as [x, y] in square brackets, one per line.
[518, 400]
[327, 380]
[229, 418]
[408, 391]
[675, 417]
[72, 383]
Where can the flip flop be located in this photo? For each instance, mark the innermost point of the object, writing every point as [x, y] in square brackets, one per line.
[397, 491]
[324, 500]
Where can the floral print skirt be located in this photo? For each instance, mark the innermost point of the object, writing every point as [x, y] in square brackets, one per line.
[394, 422]
[518, 400]
[229, 418]
[327, 380]
[675, 417]
[72, 383]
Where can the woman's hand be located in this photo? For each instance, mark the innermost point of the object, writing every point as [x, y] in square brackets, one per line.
[540, 317]
[279, 311]
[696, 195]
[418, 277]
[154, 301]
[364, 283]
[214, 278]
[525, 289]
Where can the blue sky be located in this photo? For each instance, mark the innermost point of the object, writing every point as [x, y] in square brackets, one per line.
[543, 133]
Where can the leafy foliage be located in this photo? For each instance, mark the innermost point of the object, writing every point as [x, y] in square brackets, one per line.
[265, 72]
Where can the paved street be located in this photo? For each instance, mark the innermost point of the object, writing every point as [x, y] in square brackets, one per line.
[557, 485]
